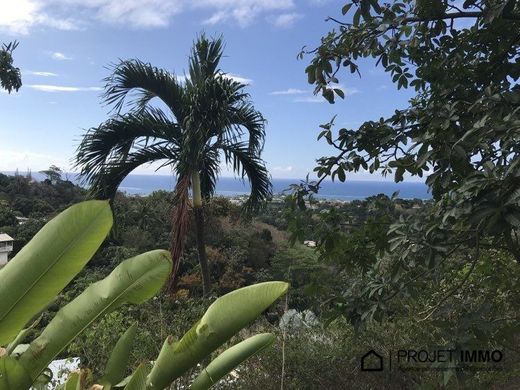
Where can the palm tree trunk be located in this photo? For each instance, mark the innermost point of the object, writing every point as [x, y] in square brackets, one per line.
[199, 222]
[180, 224]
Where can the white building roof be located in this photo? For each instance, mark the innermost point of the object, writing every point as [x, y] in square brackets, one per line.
[5, 237]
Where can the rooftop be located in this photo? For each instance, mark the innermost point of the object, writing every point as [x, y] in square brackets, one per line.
[5, 237]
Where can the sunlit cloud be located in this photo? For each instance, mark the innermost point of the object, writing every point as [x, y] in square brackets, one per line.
[60, 88]
[286, 20]
[20, 16]
[310, 99]
[41, 74]
[289, 91]
[182, 78]
[60, 56]
[22, 159]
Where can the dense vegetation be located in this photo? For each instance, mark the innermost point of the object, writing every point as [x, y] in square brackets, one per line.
[209, 119]
[10, 75]
[383, 273]
[324, 329]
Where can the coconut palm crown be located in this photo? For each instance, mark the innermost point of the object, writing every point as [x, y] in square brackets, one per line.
[209, 120]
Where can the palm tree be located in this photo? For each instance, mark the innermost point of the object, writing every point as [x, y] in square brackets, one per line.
[207, 119]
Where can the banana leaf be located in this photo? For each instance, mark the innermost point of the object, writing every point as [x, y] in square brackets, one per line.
[231, 358]
[224, 318]
[58, 252]
[138, 379]
[12, 375]
[133, 281]
[117, 363]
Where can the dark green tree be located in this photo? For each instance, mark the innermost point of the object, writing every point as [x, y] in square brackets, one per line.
[53, 174]
[10, 76]
[461, 131]
[206, 118]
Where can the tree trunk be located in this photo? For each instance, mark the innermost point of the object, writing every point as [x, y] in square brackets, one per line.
[199, 222]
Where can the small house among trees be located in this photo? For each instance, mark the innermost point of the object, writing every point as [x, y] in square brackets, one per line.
[6, 247]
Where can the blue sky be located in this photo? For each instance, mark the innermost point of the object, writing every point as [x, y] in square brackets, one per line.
[65, 46]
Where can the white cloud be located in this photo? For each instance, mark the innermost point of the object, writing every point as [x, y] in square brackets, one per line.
[243, 12]
[318, 3]
[20, 16]
[182, 78]
[238, 78]
[60, 88]
[310, 99]
[286, 20]
[347, 91]
[350, 91]
[286, 169]
[42, 74]
[22, 159]
[289, 91]
[60, 56]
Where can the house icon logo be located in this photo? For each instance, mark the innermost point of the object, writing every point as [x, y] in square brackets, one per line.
[371, 361]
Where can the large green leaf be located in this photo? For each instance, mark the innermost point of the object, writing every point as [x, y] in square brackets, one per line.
[138, 379]
[73, 382]
[49, 262]
[117, 363]
[231, 358]
[225, 317]
[133, 281]
[12, 375]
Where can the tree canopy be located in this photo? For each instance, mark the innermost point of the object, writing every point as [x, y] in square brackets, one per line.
[461, 131]
[10, 76]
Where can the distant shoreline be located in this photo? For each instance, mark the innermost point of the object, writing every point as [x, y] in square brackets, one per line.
[142, 185]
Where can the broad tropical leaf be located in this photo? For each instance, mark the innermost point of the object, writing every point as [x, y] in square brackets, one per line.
[225, 317]
[49, 262]
[72, 383]
[12, 375]
[138, 379]
[231, 358]
[117, 363]
[133, 281]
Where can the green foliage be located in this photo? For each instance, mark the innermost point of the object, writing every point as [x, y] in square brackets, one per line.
[7, 215]
[53, 174]
[47, 264]
[225, 317]
[231, 358]
[56, 254]
[118, 362]
[132, 282]
[10, 76]
[461, 131]
[207, 105]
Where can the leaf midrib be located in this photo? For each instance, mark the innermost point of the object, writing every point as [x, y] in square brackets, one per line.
[53, 264]
[102, 312]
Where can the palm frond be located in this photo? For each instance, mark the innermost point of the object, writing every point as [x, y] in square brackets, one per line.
[248, 164]
[205, 58]
[209, 171]
[148, 82]
[245, 116]
[113, 144]
[105, 180]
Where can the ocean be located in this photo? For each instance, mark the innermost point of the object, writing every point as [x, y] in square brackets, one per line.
[355, 189]
[228, 186]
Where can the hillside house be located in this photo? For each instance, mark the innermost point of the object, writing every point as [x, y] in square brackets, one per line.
[6, 247]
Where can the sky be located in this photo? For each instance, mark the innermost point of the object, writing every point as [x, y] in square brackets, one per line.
[66, 46]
